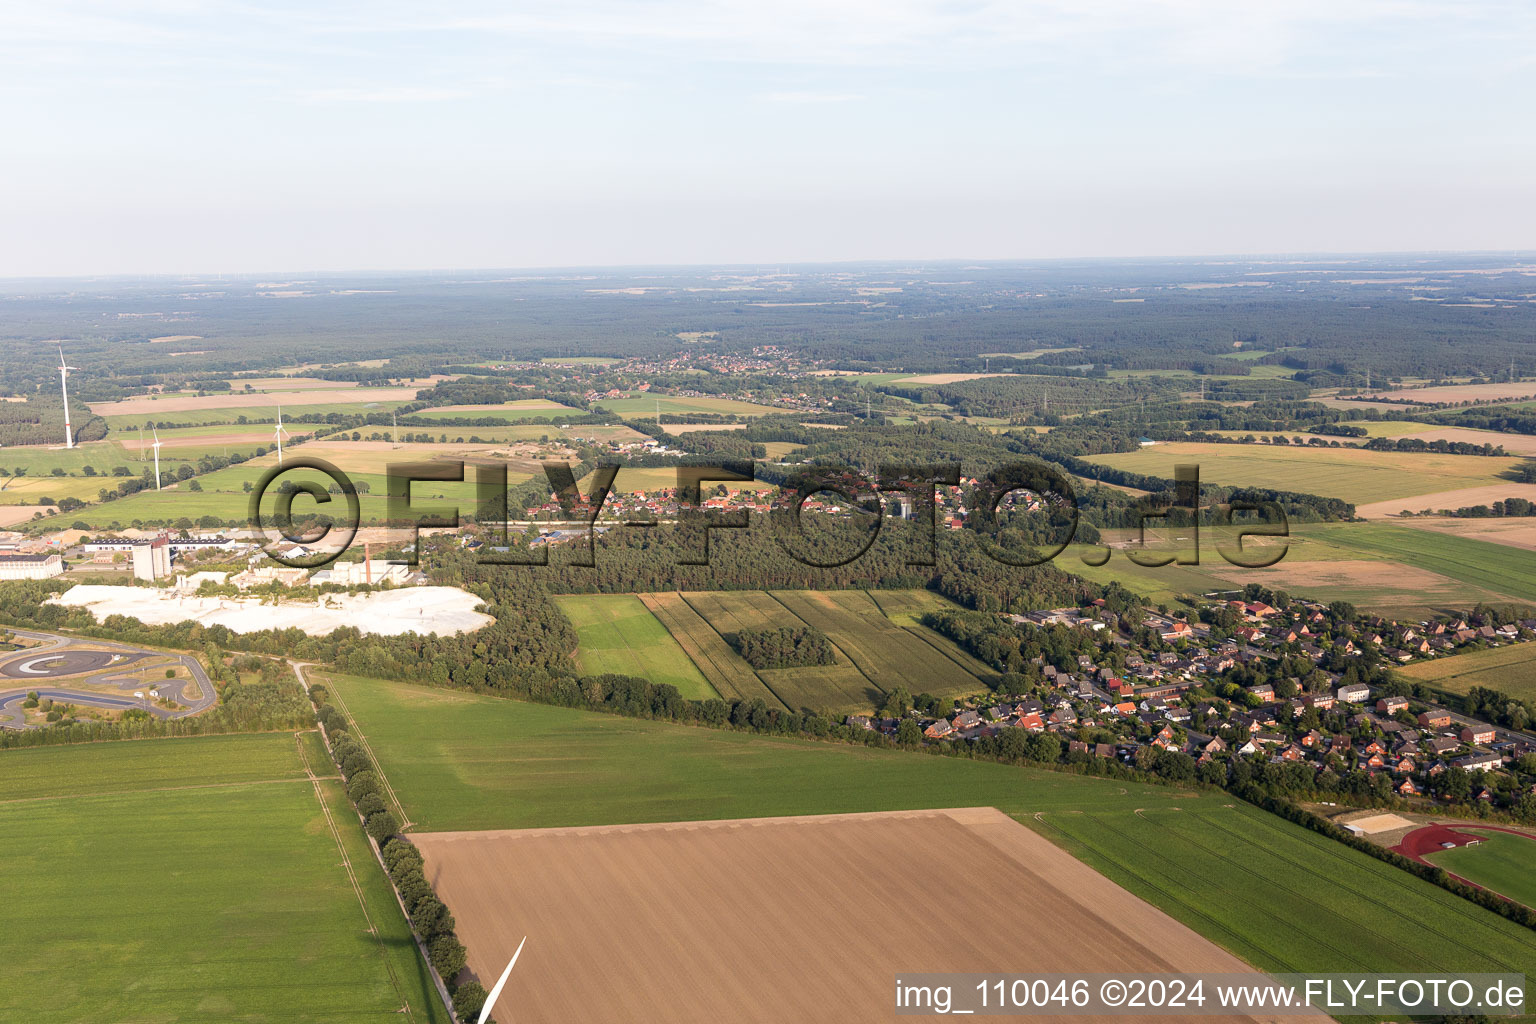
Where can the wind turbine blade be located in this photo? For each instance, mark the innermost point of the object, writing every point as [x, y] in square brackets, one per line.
[490, 1000]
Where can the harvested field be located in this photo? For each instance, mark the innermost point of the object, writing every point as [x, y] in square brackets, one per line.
[1356, 475]
[945, 378]
[10, 515]
[1459, 393]
[1331, 579]
[1485, 495]
[694, 428]
[521, 406]
[1517, 444]
[739, 951]
[1514, 532]
[731, 677]
[180, 439]
[145, 404]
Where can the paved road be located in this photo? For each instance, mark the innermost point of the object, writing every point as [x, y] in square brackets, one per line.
[53, 657]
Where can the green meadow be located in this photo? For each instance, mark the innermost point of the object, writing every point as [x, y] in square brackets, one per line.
[616, 633]
[193, 880]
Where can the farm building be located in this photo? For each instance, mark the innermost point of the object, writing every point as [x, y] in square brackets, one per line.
[30, 567]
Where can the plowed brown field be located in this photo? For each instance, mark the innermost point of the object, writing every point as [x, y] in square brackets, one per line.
[784, 919]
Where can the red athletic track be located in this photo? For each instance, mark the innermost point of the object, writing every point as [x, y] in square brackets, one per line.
[1428, 839]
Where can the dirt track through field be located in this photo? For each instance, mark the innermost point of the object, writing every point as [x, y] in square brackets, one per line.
[784, 919]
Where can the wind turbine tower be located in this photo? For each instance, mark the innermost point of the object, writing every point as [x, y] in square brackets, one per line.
[64, 368]
[156, 447]
[277, 433]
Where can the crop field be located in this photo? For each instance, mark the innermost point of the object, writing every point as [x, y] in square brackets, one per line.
[1273, 893]
[1501, 862]
[1287, 899]
[646, 479]
[839, 687]
[504, 885]
[224, 497]
[617, 633]
[1511, 669]
[261, 407]
[643, 407]
[153, 406]
[888, 655]
[199, 880]
[526, 408]
[460, 761]
[1392, 569]
[1352, 474]
[725, 670]
[1460, 393]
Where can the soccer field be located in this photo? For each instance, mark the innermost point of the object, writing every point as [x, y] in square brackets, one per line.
[197, 880]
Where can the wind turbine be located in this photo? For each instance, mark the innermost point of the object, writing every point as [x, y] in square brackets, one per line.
[278, 432]
[156, 447]
[64, 368]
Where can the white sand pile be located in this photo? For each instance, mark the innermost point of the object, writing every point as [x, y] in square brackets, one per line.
[441, 610]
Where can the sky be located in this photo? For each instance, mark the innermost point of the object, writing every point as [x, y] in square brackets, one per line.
[211, 137]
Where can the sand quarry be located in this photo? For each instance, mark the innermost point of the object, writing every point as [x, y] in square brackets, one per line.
[441, 610]
[784, 919]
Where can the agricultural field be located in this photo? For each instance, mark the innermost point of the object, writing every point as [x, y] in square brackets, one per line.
[1511, 669]
[888, 655]
[1459, 393]
[1352, 474]
[647, 479]
[1287, 899]
[617, 633]
[526, 408]
[154, 862]
[263, 411]
[840, 687]
[873, 653]
[640, 406]
[725, 670]
[223, 494]
[504, 885]
[1387, 568]
[465, 762]
[1500, 861]
[155, 406]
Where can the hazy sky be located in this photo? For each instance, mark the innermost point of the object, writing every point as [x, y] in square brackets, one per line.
[199, 137]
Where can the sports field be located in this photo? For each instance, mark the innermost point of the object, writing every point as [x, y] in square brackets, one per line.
[1511, 669]
[596, 895]
[1352, 474]
[1499, 861]
[197, 879]
[617, 633]
[1275, 894]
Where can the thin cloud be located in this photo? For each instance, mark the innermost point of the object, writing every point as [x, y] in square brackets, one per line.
[403, 94]
[811, 97]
